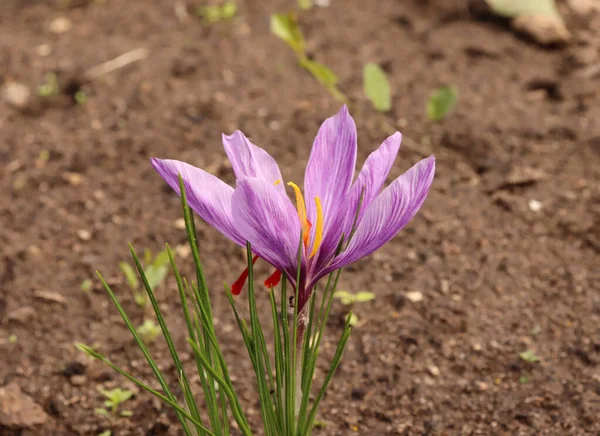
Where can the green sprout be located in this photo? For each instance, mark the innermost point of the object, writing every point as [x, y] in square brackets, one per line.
[349, 299]
[441, 102]
[44, 156]
[155, 269]
[149, 330]
[529, 356]
[115, 397]
[50, 87]
[80, 97]
[86, 286]
[305, 4]
[214, 13]
[377, 87]
[12, 339]
[524, 379]
[105, 433]
[285, 27]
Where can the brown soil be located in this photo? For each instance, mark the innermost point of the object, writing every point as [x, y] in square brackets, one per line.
[497, 276]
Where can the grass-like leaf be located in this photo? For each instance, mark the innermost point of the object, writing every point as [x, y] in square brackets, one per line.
[285, 27]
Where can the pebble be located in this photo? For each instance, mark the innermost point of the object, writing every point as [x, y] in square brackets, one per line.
[535, 206]
[433, 370]
[43, 50]
[84, 235]
[18, 410]
[544, 30]
[414, 296]
[50, 296]
[22, 314]
[60, 25]
[78, 380]
[481, 385]
[16, 94]
[74, 179]
[179, 224]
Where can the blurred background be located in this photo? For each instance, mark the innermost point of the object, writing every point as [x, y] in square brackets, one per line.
[486, 310]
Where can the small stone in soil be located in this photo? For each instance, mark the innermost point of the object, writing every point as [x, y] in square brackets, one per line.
[60, 25]
[84, 235]
[535, 206]
[18, 410]
[414, 296]
[16, 94]
[22, 314]
[433, 370]
[50, 296]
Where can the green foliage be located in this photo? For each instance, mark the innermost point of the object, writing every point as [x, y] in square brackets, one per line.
[114, 398]
[285, 27]
[149, 330]
[353, 319]
[13, 339]
[129, 275]
[214, 13]
[86, 285]
[377, 87]
[50, 87]
[441, 102]
[517, 8]
[524, 379]
[284, 380]
[305, 4]
[349, 298]
[105, 433]
[44, 156]
[322, 73]
[529, 356]
[155, 269]
[80, 97]
[324, 76]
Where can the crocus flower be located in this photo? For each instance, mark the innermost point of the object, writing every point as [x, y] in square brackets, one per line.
[341, 220]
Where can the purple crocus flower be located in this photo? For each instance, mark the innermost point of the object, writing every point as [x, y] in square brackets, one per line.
[358, 217]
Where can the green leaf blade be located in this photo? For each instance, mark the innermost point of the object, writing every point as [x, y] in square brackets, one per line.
[285, 27]
[441, 102]
[377, 87]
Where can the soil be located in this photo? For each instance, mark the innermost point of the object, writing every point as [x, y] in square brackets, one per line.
[504, 252]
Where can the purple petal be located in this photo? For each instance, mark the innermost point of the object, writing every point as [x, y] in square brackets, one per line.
[390, 211]
[206, 194]
[371, 179]
[249, 160]
[269, 222]
[329, 175]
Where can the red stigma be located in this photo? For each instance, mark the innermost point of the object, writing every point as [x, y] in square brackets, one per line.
[273, 279]
[236, 288]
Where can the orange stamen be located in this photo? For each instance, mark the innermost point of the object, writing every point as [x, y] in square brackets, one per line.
[304, 222]
[319, 229]
[236, 288]
[273, 279]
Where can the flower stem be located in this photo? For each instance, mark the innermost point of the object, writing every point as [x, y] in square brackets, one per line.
[302, 321]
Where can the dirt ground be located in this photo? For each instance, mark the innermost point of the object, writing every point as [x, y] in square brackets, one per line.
[504, 252]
